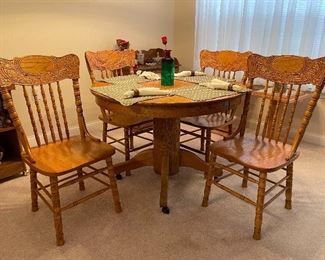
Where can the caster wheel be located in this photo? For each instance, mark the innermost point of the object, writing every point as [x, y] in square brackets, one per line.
[119, 177]
[165, 210]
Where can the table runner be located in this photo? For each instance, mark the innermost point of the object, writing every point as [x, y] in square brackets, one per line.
[122, 84]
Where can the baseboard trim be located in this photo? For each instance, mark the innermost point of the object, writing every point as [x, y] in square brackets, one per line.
[308, 137]
[93, 126]
[314, 139]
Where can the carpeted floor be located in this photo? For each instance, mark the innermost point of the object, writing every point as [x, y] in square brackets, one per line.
[222, 231]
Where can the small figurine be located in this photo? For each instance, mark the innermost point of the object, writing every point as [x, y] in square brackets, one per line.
[122, 44]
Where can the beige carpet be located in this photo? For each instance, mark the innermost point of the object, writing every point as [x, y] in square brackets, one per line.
[222, 231]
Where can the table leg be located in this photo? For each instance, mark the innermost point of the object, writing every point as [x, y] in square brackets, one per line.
[166, 141]
[164, 184]
[166, 155]
[144, 158]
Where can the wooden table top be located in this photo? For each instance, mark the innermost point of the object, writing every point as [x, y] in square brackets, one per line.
[169, 106]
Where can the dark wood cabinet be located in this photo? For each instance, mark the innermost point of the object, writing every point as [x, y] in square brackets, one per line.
[11, 162]
[150, 64]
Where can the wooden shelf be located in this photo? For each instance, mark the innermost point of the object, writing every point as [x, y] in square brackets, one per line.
[5, 129]
[12, 163]
[8, 168]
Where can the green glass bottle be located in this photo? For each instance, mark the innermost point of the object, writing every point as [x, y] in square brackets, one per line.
[167, 70]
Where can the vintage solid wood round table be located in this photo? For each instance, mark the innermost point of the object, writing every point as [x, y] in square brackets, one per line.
[166, 156]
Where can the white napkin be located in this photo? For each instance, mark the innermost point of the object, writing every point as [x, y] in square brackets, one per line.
[148, 75]
[220, 84]
[187, 73]
[140, 92]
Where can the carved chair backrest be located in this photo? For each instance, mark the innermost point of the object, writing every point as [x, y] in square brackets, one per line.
[225, 63]
[109, 63]
[284, 77]
[39, 78]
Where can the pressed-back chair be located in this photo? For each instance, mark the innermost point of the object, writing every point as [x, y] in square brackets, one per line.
[42, 80]
[274, 144]
[225, 64]
[111, 63]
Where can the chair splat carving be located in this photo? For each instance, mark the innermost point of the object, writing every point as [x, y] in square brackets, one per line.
[109, 63]
[281, 93]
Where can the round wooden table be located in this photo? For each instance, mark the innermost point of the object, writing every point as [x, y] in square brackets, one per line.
[166, 156]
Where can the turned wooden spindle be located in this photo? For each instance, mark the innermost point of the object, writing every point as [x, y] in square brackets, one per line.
[31, 115]
[56, 114]
[47, 111]
[284, 111]
[64, 116]
[39, 113]
[275, 115]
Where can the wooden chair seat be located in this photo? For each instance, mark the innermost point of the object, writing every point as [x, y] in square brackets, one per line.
[254, 153]
[123, 121]
[68, 155]
[209, 121]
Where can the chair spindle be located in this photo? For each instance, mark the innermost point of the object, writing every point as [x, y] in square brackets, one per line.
[38, 109]
[56, 114]
[47, 111]
[63, 110]
[31, 115]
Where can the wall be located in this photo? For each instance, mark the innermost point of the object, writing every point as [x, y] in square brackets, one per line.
[184, 26]
[184, 46]
[61, 27]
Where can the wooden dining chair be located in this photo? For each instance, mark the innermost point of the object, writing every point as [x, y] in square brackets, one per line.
[226, 65]
[112, 63]
[274, 144]
[63, 157]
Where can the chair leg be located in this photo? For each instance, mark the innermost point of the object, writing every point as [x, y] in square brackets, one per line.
[207, 144]
[131, 140]
[115, 193]
[33, 189]
[127, 147]
[164, 184]
[289, 186]
[244, 182]
[81, 183]
[202, 139]
[57, 211]
[104, 132]
[259, 206]
[230, 129]
[209, 181]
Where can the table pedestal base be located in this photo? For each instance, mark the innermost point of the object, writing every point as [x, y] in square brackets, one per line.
[166, 157]
[146, 158]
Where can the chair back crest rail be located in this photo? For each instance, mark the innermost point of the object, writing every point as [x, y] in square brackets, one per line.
[109, 63]
[284, 77]
[38, 78]
[225, 63]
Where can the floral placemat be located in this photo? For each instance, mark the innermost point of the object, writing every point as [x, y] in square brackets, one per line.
[128, 78]
[116, 91]
[197, 79]
[199, 93]
[122, 84]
